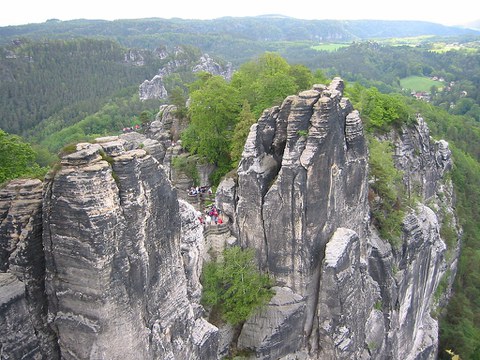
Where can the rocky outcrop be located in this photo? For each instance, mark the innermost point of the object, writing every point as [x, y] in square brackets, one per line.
[103, 260]
[153, 89]
[165, 130]
[116, 284]
[166, 126]
[134, 57]
[300, 200]
[24, 332]
[17, 332]
[277, 328]
[409, 276]
[344, 285]
[423, 161]
[193, 249]
[180, 61]
[207, 64]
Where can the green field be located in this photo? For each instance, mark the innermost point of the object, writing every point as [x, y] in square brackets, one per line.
[329, 46]
[419, 83]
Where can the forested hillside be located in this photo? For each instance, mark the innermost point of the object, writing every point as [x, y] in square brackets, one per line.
[61, 90]
[234, 39]
[70, 78]
[372, 63]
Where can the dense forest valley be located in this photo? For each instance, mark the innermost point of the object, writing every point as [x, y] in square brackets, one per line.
[66, 82]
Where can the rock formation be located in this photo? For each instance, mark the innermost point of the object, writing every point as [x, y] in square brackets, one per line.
[165, 130]
[24, 332]
[301, 201]
[155, 88]
[103, 261]
[114, 277]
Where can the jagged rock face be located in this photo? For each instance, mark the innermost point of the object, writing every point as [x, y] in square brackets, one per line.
[135, 57]
[17, 333]
[207, 64]
[20, 202]
[116, 284]
[193, 248]
[422, 160]
[155, 88]
[303, 174]
[165, 131]
[276, 329]
[418, 276]
[166, 127]
[107, 265]
[408, 276]
[304, 167]
[301, 201]
[24, 333]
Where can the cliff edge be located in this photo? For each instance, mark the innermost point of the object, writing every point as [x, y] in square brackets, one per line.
[103, 261]
[301, 200]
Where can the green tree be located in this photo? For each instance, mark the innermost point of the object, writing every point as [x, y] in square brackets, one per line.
[320, 77]
[213, 114]
[273, 89]
[17, 158]
[178, 97]
[379, 111]
[145, 116]
[234, 286]
[245, 120]
[267, 80]
[302, 75]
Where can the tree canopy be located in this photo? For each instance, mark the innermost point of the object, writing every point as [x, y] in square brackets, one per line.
[221, 113]
[17, 158]
[234, 286]
[213, 111]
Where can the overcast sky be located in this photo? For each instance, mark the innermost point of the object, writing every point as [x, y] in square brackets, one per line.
[17, 12]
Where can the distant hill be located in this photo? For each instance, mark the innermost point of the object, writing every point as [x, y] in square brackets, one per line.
[235, 39]
[264, 28]
[64, 71]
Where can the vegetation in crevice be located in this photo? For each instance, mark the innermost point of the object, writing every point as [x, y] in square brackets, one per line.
[233, 287]
[386, 187]
[17, 159]
[187, 165]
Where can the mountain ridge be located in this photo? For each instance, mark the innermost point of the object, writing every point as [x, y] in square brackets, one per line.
[265, 28]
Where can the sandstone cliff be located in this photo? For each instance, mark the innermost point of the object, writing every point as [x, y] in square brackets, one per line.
[115, 282]
[301, 201]
[103, 261]
[180, 60]
[24, 332]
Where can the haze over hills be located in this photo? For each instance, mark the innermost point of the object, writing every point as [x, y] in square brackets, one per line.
[264, 28]
[473, 25]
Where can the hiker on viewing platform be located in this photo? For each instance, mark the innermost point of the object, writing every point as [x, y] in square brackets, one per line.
[192, 192]
[214, 214]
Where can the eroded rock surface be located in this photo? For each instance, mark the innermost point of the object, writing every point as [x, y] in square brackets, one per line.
[116, 284]
[301, 201]
[25, 333]
[103, 261]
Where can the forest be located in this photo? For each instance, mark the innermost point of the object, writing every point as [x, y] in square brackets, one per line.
[55, 91]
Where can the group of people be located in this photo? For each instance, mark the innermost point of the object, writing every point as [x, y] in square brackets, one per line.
[194, 191]
[130, 129]
[212, 216]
